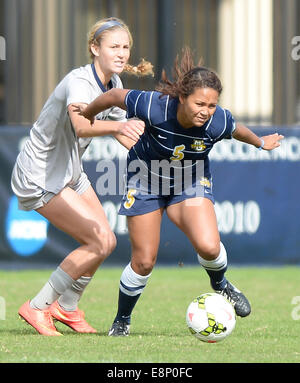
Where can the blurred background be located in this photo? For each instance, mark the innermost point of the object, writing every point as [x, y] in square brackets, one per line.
[254, 45]
[248, 42]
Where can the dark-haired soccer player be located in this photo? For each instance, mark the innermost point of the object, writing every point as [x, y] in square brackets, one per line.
[182, 123]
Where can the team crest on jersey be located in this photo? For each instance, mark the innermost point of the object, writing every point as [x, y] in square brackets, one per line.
[205, 182]
[198, 145]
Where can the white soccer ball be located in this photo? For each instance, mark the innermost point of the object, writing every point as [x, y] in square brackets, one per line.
[210, 317]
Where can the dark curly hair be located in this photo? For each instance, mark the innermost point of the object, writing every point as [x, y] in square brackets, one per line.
[187, 77]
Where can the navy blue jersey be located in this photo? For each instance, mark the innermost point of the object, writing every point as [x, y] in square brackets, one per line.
[163, 133]
[165, 139]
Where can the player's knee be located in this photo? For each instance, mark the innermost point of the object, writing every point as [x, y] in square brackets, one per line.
[104, 244]
[109, 244]
[145, 266]
[209, 251]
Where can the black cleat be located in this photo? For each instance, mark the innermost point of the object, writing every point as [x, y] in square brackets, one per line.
[237, 298]
[119, 329]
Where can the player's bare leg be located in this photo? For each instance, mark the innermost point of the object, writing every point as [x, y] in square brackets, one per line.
[144, 233]
[199, 223]
[197, 219]
[87, 223]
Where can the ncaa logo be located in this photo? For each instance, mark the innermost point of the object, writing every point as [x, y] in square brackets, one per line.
[26, 231]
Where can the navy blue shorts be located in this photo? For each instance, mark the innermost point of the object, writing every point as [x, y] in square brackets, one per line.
[139, 199]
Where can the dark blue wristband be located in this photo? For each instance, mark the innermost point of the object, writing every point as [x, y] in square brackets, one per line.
[262, 144]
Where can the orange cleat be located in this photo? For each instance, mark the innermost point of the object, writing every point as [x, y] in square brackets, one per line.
[73, 319]
[41, 320]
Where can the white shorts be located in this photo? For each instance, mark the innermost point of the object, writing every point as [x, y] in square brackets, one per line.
[32, 197]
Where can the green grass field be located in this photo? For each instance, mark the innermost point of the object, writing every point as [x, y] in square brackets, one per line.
[158, 332]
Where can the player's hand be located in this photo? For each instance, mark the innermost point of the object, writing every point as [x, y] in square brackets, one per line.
[132, 129]
[80, 109]
[272, 141]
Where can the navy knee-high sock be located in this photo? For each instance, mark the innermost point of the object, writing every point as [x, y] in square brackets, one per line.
[126, 305]
[131, 287]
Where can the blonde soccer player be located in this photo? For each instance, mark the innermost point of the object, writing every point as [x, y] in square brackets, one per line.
[48, 175]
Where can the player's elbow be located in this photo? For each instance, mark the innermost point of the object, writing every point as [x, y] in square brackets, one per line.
[81, 133]
[83, 129]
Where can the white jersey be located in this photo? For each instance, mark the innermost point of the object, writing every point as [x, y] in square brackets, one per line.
[52, 156]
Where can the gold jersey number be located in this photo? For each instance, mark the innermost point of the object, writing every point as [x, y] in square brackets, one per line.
[177, 153]
[130, 198]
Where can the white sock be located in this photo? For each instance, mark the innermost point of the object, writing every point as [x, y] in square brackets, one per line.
[216, 264]
[216, 268]
[70, 298]
[57, 284]
[132, 283]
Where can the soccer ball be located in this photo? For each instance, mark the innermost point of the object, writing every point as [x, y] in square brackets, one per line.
[210, 317]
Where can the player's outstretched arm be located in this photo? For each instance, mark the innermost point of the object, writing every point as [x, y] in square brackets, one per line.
[82, 117]
[125, 141]
[113, 97]
[269, 142]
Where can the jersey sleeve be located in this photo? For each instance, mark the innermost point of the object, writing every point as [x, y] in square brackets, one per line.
[230, 123]
[229, 126]
[137, 104]
[78, 90]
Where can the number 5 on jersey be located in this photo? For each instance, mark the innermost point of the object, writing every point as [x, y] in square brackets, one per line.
[177, 153]
[130, 198]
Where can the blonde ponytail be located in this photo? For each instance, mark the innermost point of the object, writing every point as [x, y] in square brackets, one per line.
[144, 68]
